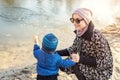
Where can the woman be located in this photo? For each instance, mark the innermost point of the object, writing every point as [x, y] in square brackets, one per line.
[96, 62]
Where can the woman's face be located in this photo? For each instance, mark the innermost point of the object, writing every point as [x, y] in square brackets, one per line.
[78, 21]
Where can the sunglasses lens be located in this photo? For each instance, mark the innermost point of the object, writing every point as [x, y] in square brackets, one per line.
[77, 21]
[72, 20]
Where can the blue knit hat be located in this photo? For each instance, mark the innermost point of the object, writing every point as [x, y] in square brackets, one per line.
[49, 42]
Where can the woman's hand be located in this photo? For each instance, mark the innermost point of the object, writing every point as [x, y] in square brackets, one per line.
[75, 57]
[36, 39]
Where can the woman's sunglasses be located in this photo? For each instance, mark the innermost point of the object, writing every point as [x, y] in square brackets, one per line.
[76, 20]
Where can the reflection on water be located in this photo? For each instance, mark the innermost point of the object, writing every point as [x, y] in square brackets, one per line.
[9, 2]
[17, 14]
[49, 8]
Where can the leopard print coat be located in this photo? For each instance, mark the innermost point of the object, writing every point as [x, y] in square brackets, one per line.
[93, 44]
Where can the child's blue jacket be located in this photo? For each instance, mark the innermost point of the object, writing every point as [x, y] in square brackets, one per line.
[48, 64]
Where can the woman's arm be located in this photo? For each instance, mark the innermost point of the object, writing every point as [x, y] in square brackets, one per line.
[91, 61]
[103, 55]
[70, 50]
[63, 52]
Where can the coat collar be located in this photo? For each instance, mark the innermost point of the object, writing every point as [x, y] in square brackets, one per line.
[88, 34]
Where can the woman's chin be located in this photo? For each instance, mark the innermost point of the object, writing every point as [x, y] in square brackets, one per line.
[78, 29]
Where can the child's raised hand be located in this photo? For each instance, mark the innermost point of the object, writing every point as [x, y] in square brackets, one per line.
[36, 39]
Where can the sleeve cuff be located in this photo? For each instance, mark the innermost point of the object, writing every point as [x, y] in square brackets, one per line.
[91, 61]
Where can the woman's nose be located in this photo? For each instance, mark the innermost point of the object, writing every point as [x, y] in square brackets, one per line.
[75, 24]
